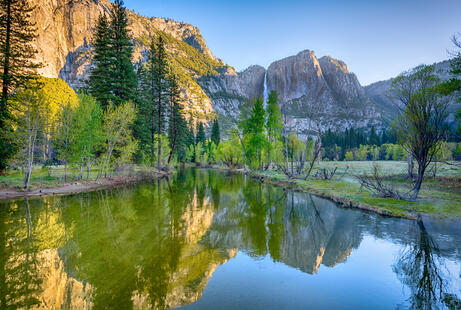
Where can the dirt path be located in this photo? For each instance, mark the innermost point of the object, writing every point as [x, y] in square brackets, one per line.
[75, 187]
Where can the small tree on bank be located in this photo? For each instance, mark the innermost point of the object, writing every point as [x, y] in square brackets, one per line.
[421, 125]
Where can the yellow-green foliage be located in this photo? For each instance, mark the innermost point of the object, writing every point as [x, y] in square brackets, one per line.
[57, 95]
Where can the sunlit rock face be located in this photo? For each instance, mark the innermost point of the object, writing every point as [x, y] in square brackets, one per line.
[65, 35]
[320, 93]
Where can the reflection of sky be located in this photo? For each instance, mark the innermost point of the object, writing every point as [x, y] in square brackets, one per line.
[364, 281]
[377, 39]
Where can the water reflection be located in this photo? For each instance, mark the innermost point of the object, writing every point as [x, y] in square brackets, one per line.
[158, 245]
[421, 268]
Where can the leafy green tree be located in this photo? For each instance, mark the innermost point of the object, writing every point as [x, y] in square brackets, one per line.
[177, 129]
[100, 78]
[117, 124]
[421, 124]
[230, 152]
[274, 123]
[32, 105]
[17, 65]
[254, 131]
[349, 156]
[215, 132]
[87, 134]
[63, 136]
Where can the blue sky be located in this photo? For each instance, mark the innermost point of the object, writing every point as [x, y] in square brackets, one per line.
[377, 39]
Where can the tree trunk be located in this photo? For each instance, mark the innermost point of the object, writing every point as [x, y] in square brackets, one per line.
[410, 162]
[419, 179]
[6, 63]
[30, 159]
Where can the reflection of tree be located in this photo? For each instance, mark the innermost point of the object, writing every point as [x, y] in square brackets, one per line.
[420, 268]
[20, 282]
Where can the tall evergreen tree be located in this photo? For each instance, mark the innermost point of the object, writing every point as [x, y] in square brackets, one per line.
[373, 139]
[177, 129]
[113, 78]
[153, 101]
[201, 137]
[215, 132]
[123, 76]
[99, 82]
[17, 54]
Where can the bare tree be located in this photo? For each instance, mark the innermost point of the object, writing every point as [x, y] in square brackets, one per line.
[421, 123]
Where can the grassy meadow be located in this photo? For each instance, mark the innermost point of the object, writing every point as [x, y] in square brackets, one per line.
[440, 196]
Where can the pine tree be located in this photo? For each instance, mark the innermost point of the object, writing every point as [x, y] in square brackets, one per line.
[200, 134]
[215, 133]
[17, 54]
[123, 75]
[177, 129]
[99, 82]
[153, 101]
[113, 78]
[190, 138]
[374, 139]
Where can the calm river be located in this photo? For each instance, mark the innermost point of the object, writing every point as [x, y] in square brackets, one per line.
[212, 240]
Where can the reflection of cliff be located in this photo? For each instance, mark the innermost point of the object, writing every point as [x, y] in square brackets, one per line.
[320, 233]
[59, 291]
[297, 229]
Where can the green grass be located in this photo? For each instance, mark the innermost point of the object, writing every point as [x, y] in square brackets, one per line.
[41, 177]
[49, 178]
[440, 196]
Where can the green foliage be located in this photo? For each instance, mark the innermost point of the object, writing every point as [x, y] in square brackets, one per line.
[17, 66]
[201, 156]
[230, 152]
[255, 134]
[274, 123]
[113, 79]
[154, 100]
[177, 129]
[87, 133]
[120, 144]
[349, 156]
[200, 138]
[215, 132]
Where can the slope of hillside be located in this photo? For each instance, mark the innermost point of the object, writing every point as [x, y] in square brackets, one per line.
[379, 93]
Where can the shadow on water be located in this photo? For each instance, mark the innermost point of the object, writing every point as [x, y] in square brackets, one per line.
[157, 245]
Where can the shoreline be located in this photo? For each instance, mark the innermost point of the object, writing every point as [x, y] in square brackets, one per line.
[77, 187]
[341, 201]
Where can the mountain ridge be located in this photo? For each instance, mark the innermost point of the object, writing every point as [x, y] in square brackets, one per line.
[313, 92]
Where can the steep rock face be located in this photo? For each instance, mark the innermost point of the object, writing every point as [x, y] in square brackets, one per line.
[230, 91]
[320, 93]
[344, 85]
[65, 30]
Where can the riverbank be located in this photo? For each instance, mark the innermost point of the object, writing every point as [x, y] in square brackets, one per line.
[439, 197]
[67, 188]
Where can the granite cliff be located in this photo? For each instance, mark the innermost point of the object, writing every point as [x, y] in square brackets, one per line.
[313, 92]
